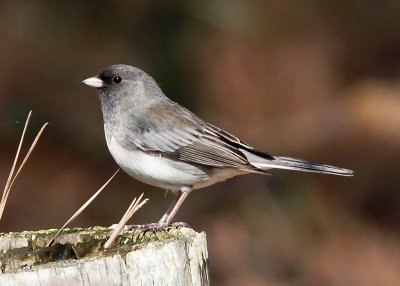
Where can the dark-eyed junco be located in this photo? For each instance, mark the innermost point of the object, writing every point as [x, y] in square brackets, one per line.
[161, 143]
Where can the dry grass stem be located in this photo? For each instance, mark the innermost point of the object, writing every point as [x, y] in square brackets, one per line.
[78, 212]
[28, 154]
[11, 176]
[134, 206]
[16, 155]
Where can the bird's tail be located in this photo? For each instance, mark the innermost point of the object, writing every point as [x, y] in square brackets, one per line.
[264, 161]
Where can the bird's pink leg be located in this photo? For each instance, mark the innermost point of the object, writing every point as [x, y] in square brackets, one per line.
[167, 217]
[173, 208]
[170, 208]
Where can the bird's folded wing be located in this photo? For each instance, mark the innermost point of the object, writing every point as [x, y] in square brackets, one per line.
[190, 140]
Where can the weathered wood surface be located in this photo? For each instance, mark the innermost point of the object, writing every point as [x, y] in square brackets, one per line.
[177, 256]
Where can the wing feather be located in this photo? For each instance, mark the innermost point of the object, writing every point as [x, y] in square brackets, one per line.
[181, 135]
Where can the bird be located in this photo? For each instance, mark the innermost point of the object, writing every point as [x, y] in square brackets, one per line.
[159, 142]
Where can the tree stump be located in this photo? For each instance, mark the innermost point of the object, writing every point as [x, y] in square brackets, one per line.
[175, 256]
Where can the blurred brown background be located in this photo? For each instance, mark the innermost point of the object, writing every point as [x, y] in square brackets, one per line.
[318, 80]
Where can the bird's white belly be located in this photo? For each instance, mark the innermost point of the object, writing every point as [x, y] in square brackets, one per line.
[156, 170]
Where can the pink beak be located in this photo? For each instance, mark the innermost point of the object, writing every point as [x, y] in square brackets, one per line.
[94, 82]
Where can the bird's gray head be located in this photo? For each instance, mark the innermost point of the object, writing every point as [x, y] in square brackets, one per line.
[124, 85]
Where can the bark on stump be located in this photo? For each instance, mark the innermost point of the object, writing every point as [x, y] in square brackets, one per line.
[176, 256]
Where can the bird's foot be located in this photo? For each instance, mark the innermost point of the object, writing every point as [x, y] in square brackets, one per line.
[180, 224]
[155, 226]
[143, 227]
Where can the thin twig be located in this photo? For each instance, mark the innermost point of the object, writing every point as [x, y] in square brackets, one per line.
[28, 154]
[16, 156]
[134, 206]
[3, 201]
[78, 212]
[11, 176]
[75, 252]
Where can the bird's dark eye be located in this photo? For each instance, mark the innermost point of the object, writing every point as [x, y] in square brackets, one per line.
[117, 79]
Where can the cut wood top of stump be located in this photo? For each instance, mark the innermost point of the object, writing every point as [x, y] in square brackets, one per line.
[22, 251]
